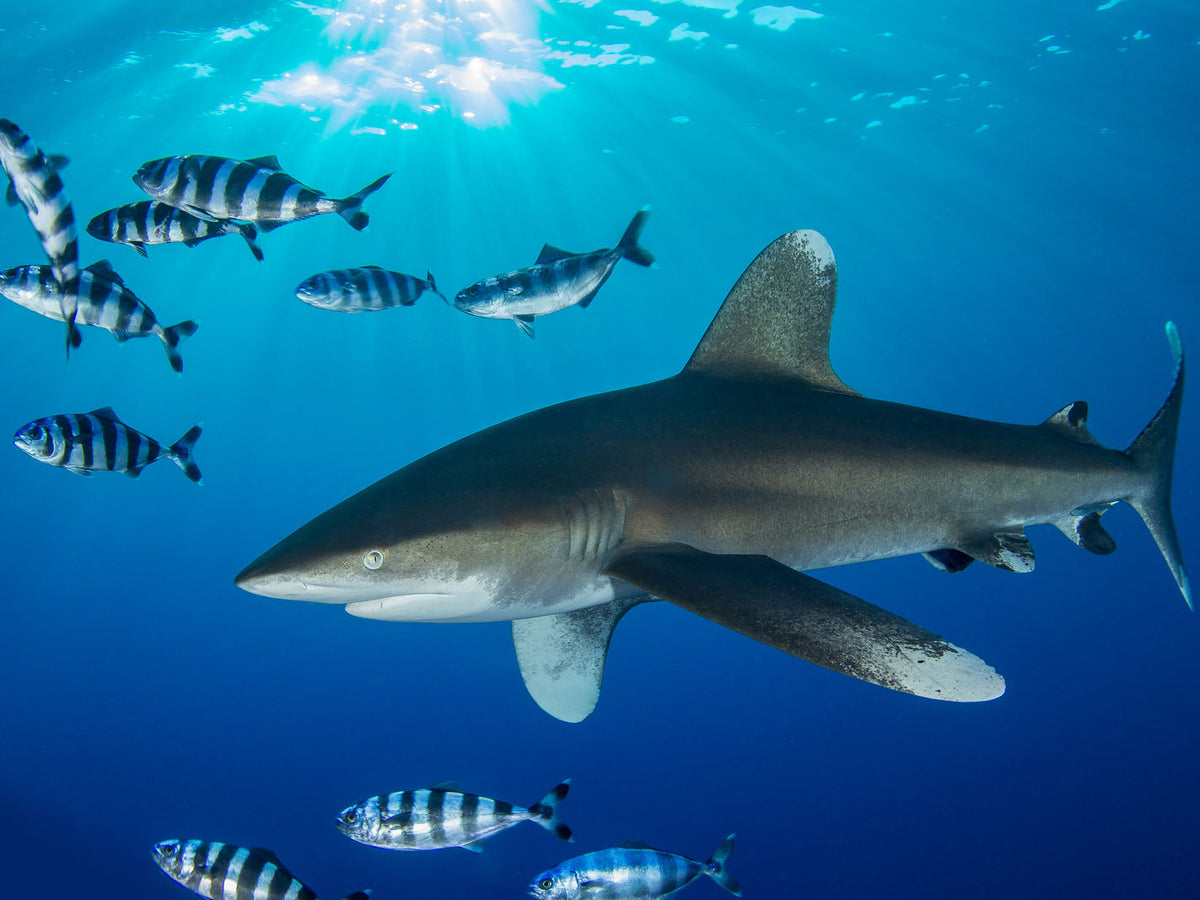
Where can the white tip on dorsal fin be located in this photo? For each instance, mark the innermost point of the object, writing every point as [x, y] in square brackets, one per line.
[775, 321]
[266, 162]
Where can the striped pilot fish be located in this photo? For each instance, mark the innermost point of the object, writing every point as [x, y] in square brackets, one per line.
[101, 299]
[33, 181]
[225, 872]
[98, 441]
[633, 871]
[255, 190]
[557, 279]
[152, 222]
[364, 289]
[443, 816]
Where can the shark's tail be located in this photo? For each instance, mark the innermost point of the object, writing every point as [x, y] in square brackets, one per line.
[629, 247]
[1154, 453]
[350, 208]
[545, 811]
[716, 867]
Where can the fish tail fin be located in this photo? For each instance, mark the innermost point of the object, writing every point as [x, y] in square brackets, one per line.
[181, 452]
[545, 811]
[629, 247]
[716, 867]
[350, 208]
[1154, 452]
[69, 306]
[250, 233]
[432, 284]
[171, 338]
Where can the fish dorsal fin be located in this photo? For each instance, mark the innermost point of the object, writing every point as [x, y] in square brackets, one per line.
[636, 845]
[562, 656]
[105, 412]
[551, 254]
[446, 786]
[1071, 420]
[775, 321]
[105, 269]
[58, 162]
[266, 162]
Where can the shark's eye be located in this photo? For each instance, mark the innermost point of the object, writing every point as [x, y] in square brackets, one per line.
[373, 559]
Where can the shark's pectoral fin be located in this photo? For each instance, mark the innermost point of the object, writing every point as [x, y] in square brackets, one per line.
[765, 600]
[562, 656]
[1008, 550]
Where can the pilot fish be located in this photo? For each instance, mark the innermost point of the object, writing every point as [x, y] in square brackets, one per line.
[98, 441]
[557, 279]
[255, 190]
[225, 872]
[363, 289]
[101, 299]
[152, 222]
[443, 816]
[33, 181]
[633, 871]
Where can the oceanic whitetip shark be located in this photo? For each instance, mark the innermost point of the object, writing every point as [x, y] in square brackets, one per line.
[713, 489]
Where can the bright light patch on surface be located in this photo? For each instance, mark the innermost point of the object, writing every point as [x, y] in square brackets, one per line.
[641, 16]
[781, 18]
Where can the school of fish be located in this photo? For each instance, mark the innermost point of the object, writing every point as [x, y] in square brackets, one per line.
[198, 198]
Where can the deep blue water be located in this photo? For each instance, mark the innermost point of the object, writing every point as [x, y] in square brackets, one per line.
[1010, 239]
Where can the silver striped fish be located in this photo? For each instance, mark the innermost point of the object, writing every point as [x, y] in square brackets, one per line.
[633, 871]
[255, 190]
[153, 222]
[101, 299]
[225, 872]
[557, 279]
[443, 816]
[34, 182]
[365, 289]
[98, 441]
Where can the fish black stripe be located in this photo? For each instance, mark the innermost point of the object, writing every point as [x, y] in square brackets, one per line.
[86, 432]
[235, 186]
[306, 202]
[248, 877]
[280, 882]
[199, 855]
[205, 179]
[503, 809]
[220, 867]
[133, 443]
[437, 820]
[161, 213]
[127, 307]
[270, 198]
[109, 431]
[470, 803]
[406, 808]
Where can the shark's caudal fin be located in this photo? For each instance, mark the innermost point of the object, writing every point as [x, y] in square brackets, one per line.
[562, 657]
[1154, 452]
[765, 600]
[775, 321]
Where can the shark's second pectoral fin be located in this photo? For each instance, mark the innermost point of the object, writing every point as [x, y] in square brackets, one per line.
[765, 600]
[562, 657]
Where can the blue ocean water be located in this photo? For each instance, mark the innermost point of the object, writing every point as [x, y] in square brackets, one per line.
[1011, 193]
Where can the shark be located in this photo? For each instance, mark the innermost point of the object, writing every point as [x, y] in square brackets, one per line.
[718, 489]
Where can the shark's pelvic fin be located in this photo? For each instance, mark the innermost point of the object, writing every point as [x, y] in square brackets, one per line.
[562, 657]
[775, 321]
[1008, 550]
[1154, 452]
[769, 602]
[1086, 531]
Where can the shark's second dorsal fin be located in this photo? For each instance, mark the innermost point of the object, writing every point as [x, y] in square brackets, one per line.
[775, 322]
[1071, 420]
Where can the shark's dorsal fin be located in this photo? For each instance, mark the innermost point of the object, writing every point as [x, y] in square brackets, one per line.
[562, 656]
[775, 321]
[1071, 420]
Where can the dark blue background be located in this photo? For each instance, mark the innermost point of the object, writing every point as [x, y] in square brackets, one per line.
[998, 273]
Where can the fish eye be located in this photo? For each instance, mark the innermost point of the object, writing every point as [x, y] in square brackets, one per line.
[36, 433]
[373, 559]
[545, 884]
[351, 817]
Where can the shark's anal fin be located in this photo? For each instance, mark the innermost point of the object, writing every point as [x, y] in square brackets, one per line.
[769, 602]
[562, 656]
[1008, 550]
[775, 321]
